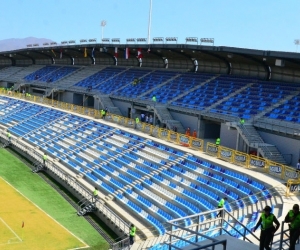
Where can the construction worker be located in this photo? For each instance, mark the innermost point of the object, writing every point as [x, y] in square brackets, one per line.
[195, 133]
[218, 141]
[132, 234]
[242, 121]
[154, 98]
[293, 218]
[221, 205]
[8, 136]
[266, 222]
[45, 157]
[103, 113]
[137, 121]
[95, 195]
[188, 132]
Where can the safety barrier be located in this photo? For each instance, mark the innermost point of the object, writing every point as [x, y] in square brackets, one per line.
[292, 187]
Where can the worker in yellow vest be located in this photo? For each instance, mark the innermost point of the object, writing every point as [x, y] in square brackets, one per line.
[137, 121]
[8, 136]
[95, 195]
[132, 234]
[221, 205]
[103, 113]
[218, 141]
[45, 157]
[293, 218]
[267, 221]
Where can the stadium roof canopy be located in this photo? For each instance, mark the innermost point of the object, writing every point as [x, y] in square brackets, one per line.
[215, 59]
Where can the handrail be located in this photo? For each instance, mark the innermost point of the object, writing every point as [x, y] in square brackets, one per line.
[195, 229]
[71, 181]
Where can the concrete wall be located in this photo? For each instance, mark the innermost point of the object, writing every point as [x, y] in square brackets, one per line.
[77, 99]
[187, 121]
[290, 148]
[67, 97]
[123, 106]
[228, 136]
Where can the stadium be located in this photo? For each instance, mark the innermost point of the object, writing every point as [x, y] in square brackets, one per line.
[163, 131]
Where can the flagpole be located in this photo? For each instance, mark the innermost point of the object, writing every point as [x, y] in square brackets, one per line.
[149, 24]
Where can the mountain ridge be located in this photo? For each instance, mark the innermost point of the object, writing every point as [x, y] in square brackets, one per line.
[21, 43]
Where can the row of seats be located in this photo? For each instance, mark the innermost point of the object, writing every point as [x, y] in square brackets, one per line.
[111, 159]
[50, 74]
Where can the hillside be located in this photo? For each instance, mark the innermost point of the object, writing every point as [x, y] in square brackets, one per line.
[19, 43]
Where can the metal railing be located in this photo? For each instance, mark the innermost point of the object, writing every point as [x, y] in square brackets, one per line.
[180, 236]
[69, 180]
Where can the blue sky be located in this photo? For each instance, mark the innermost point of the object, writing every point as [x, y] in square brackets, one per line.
[254, 24]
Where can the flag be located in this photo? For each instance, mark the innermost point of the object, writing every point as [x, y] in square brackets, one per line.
[116, 52]
[53, 52]
[85, 53]
[60, 56]
[23, 224]
[93, 52]
[126, 53]
[140, 55]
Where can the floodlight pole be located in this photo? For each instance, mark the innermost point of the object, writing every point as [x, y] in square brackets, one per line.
[103, 23]
[149, 24]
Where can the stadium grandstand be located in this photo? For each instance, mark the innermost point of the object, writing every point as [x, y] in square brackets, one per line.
[85, 106]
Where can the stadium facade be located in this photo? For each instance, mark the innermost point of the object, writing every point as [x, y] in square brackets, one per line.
[205, 88]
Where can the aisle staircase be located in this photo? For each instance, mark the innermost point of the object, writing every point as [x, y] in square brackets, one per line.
[165, 116]
[252, 138]
[85, 206]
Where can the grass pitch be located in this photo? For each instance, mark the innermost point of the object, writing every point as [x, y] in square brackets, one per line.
[34, 216]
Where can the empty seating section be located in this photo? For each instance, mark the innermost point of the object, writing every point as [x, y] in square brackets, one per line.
[121, 80]
[9, 106]
[207, 94]
[36, 121]
[155, 182]
[255, 99]
[288, 111]
[147, 83]
[177, 86]
[50, 73]
[9, 71]
[94, 80]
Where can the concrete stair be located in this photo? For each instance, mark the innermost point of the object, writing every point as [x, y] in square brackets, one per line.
[165, 116]
[250, 135]
[107, 103]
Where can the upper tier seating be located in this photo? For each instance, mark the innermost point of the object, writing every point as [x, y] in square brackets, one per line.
[147, 83]
[179, 85]
[288, 111]
[94, 80]
[207, 94]
[121, 80]
[50, 74]
[255, 99]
